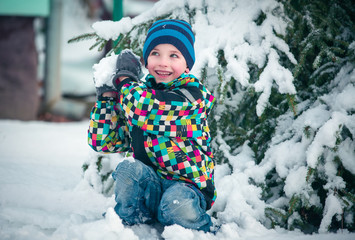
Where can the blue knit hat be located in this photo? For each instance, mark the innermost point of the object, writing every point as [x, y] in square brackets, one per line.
[175, 32]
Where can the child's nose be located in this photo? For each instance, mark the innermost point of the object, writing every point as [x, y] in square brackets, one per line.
[164, 61]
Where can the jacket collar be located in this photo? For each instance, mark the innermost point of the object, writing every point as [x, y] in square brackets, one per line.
[150, 82]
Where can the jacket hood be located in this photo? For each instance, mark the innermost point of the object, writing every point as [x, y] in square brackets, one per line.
[184, 81]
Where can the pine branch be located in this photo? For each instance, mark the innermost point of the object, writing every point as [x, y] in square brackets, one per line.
[292, 104]
[95, 45]
[276, 212]
[293, 204]
[307, 131]
[83, 37]
[102, 45]
[309, 173]
[222, 84]
[348, 195]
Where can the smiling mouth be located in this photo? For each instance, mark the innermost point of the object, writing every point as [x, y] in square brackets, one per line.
[163, 73]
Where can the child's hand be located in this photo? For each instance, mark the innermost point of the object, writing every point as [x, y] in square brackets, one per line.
[118, 80]
[110, 94]
[102, 90]
[127, 65]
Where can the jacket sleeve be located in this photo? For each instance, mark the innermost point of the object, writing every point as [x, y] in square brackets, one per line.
[168, 113]
[107, 132]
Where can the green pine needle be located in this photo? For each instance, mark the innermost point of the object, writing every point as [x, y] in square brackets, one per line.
[83, 37]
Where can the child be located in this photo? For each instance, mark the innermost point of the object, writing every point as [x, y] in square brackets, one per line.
[163, 122]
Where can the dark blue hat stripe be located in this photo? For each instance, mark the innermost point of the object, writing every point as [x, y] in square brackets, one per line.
[172, 25]
[172, 21]
[178, 25]
[175, 28]
[169, 32]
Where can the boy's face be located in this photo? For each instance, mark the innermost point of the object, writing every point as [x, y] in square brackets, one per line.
[165, 63]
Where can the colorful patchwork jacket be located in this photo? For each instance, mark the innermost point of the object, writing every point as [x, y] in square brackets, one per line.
[164, 125]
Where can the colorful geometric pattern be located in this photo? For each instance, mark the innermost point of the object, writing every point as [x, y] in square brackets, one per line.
[176, 133]
[107, 131]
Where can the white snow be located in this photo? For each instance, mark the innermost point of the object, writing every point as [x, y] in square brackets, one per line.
[295, 181]
[44, 196]
[231, 29]
[273, 72]
[325, 137]
[104, 70]
[347, 153]
[111, 30]
[332, 207]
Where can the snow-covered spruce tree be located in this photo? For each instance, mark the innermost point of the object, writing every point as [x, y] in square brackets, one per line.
[97, 170]
[317, 169]
[253, 55]
[238, 47]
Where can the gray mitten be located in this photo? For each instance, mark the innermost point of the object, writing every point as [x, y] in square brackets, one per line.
[128, 65]
[103, 89]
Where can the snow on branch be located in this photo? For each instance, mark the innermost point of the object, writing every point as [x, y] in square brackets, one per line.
[110, 30]
[246, 32]
[273, 71]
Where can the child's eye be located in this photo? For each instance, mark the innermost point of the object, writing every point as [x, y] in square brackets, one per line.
[174, 55]
[154, 53]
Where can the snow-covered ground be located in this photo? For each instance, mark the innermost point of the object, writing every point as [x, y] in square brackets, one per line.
[43, 194]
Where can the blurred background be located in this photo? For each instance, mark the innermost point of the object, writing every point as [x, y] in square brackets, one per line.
[42, 77]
